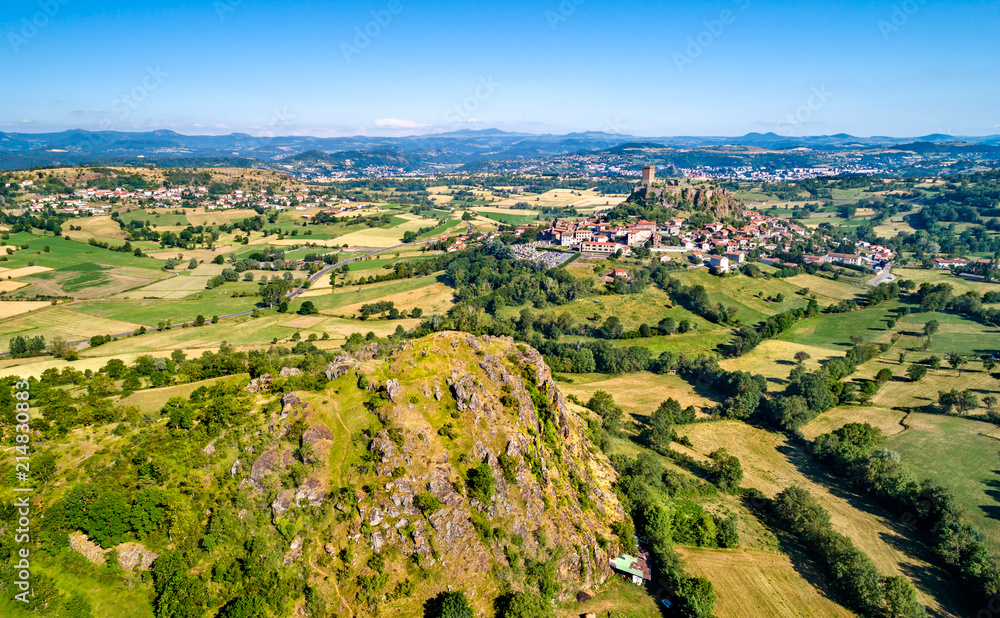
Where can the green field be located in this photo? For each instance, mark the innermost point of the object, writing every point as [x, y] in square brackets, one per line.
[833, 331]
[961, 454]
[65, 252]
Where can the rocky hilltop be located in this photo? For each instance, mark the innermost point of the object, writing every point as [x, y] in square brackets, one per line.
[452, 463]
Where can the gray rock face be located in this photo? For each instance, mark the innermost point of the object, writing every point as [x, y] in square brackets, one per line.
[283, 501]
[235, 468]
[269, 461]
[287, 372]
[316, 433]
[392, 388]
[261, 384]
[310, 491]
[340, 366]
[466, 394]
[290, 402]
[382, 444]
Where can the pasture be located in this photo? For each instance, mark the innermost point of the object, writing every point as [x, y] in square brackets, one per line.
[774, 359]
[748, 295]
[960, 454]
[615, 596]
[90, 280]
[890, 422]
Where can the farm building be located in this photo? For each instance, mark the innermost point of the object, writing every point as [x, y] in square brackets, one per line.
[636, 567]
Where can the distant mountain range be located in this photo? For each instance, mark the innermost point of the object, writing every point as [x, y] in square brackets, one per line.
[434, 152]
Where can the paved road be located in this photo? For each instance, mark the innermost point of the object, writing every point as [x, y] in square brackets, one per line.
[312, 279]
[882, 277]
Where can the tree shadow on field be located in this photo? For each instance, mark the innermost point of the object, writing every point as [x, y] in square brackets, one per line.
[906, 539]
[787, 363]
[992, 510]
[802, 564]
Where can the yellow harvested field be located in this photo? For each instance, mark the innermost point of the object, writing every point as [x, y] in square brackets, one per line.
[771, 464]
[774, 359]
[637, 393]
[10, 286]
[202, 255]
[10, 308]
[826, 287]
[24, 272]
[905, 394]
[34, 369]
[62, 322]
[342, 329]
[180, 286]
[381, 237]
[961, 285]
[305, 321]
[758, 584]
[433, 298]
[889, 421]
[199, 216]
[104, 228]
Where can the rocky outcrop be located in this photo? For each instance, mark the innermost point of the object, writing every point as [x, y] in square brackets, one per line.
[392, 388]
[133, 555]
[477, 403]
[290, 403]
[130, 555]
[269, 461]
[340, 366]
[260, 385]
[287, 372]
[316, 433]
[310, 492]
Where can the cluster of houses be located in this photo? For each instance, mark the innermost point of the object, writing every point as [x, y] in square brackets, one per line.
[719, 245]
[94, 202]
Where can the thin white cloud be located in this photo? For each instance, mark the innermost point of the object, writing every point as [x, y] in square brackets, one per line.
[398, 123]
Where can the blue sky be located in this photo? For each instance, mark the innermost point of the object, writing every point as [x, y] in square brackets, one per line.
[393, 67]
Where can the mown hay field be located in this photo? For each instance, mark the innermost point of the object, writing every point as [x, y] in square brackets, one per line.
[771, 464]
[758, 584]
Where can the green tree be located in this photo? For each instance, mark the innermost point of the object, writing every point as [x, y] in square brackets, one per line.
[695, 597]
[193, 263]
[455, 605]
[801, 357]
[604, 405]
[427, 502]
[915, 372]
[957, 361]
[931, 327]
[480, 483]
[725, 471]
[308, 308]
[527, 605]
[178, 595]
[900, 598]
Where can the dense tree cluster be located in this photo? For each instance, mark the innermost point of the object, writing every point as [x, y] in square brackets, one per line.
[851, 573]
